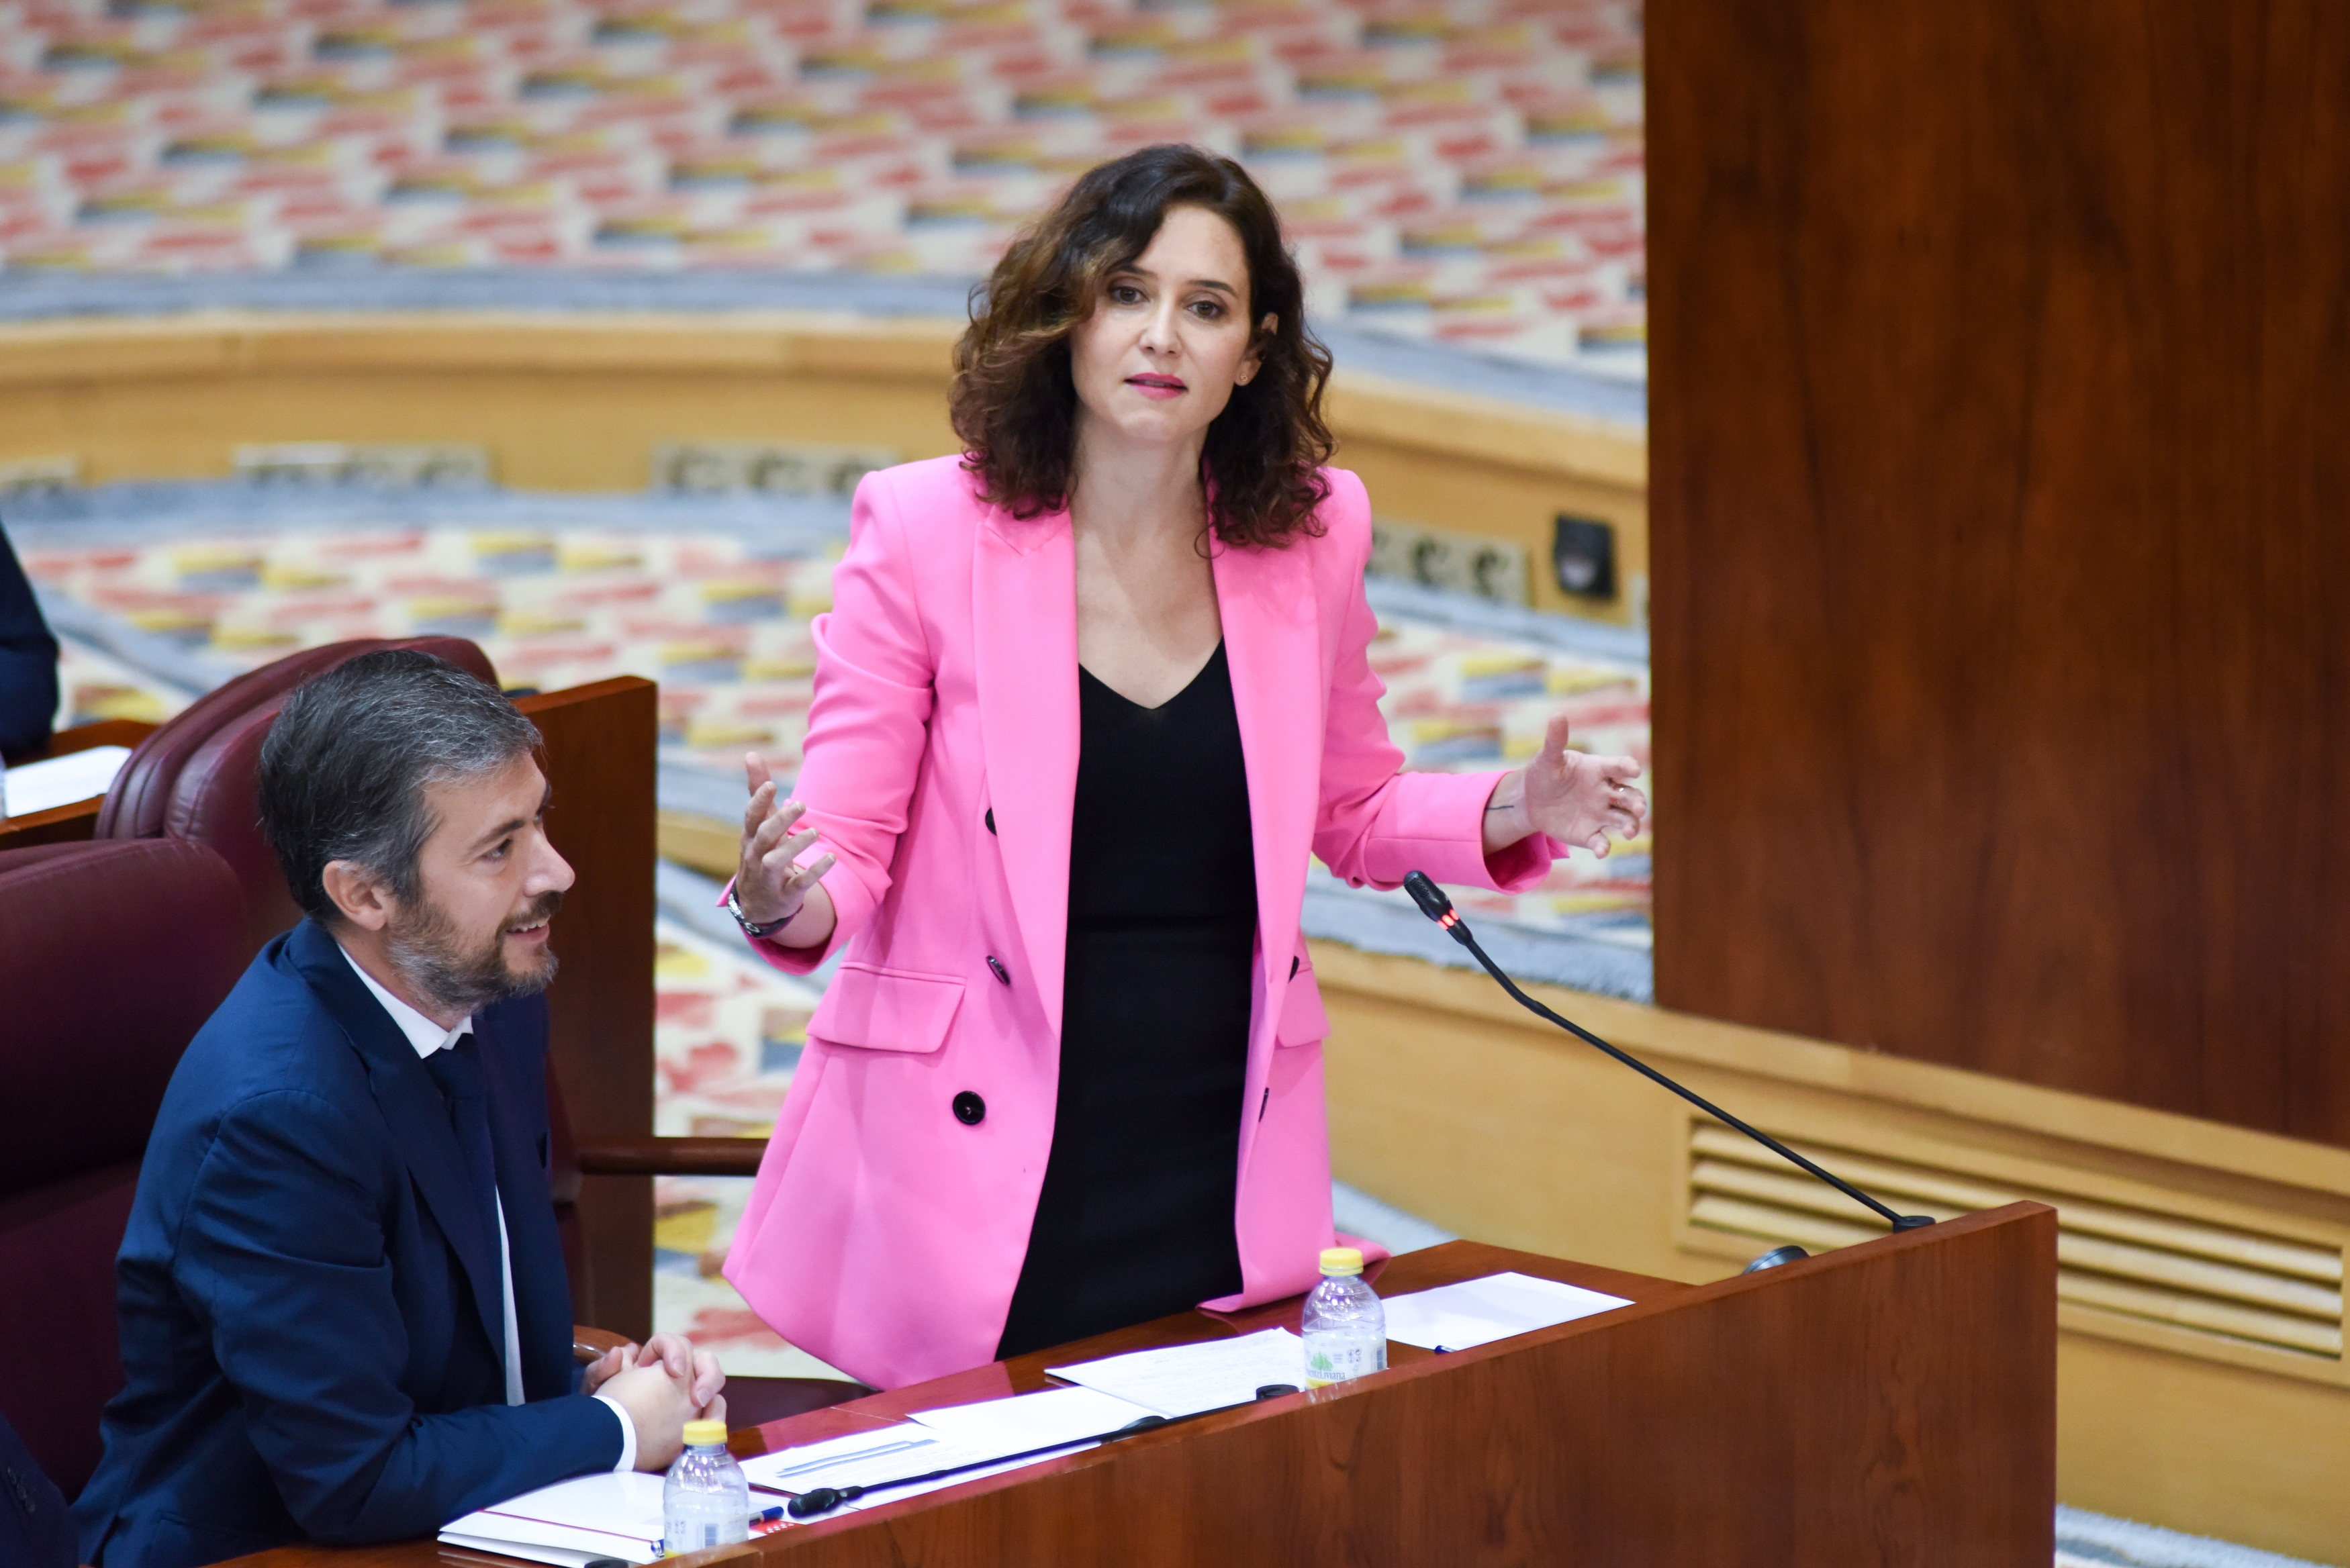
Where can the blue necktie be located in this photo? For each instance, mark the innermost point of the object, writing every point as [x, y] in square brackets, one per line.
[458, 1070]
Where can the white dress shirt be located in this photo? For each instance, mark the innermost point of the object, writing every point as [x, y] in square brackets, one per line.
[429, 1038]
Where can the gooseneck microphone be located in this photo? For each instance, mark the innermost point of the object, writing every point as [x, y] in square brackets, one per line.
[1438, 907]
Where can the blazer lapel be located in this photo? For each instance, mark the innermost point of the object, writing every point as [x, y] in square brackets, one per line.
[418, 1117]
[1025, 658]
[1272, 644]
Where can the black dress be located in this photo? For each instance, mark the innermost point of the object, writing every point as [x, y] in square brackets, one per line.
[1135, 1221]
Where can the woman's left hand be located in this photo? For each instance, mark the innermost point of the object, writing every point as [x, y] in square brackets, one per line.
[1576, 798]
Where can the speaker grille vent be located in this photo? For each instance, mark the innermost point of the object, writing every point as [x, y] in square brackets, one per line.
[2229, 1283]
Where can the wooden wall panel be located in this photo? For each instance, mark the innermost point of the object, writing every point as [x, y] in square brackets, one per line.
[2001, 517]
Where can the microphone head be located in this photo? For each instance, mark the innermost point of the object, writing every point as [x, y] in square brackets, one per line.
[822, 1500]
[1427, 896]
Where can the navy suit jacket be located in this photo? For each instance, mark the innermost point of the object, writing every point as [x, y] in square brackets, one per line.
[313, 1326]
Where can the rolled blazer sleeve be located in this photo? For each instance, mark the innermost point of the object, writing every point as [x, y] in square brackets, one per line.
[1375, 824]
[868, 720]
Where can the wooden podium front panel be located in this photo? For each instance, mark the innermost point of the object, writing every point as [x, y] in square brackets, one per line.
[1892, 1402]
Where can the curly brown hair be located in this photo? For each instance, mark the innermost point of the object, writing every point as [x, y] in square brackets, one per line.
[1014, 401]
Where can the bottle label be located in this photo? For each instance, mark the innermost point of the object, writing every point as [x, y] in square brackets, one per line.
[1329, 1361]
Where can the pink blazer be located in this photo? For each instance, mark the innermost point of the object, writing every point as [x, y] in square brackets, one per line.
[884, 1234]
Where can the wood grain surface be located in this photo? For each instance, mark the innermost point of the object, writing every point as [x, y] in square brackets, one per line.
[2000, 463]
[76, 821]
[1894, 1402]
[600, 759]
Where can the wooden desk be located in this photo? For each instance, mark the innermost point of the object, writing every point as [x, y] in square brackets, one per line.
[1893, 1400]
[75, 820]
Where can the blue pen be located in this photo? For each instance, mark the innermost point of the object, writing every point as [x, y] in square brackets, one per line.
[768, 1515]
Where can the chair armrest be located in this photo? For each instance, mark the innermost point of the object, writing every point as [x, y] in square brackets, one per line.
[673, 1156]
[588, 1345]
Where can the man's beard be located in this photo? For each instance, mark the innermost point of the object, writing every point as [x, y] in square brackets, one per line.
[423, 945]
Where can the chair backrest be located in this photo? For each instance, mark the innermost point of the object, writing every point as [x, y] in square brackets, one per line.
[35, 1528]
[197, 776]
[111, 957]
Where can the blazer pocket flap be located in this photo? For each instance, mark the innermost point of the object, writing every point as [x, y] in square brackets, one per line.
[1302, 1019]
[886, 1009]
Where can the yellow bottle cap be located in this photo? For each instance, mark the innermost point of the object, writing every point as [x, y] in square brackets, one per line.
[1342, 1260]
[702, 1434]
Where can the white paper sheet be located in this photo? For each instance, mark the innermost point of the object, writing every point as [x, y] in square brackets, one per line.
[1479, 1311]
[61, 781]
[601, 1515]
[907, 1449]
[1189, 1378]
[866, 1459]
[1033, 1420]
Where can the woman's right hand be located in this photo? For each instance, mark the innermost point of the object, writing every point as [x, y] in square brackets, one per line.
[769, 883]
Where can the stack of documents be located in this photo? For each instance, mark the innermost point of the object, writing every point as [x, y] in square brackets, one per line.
[972, 1441]
[1187, 1379]
[1479, 1311]
[997, 1435]
[1035, 1420]
[570, 1523]
[60, 780]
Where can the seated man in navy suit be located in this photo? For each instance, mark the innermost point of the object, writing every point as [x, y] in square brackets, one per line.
[343, 1304]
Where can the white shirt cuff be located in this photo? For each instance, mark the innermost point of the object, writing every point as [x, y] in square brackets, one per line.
[627, 1434]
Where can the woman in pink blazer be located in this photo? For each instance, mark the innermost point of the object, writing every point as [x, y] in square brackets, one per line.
[1087, 699]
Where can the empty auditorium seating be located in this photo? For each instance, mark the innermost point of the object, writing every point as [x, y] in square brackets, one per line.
[1463, 169]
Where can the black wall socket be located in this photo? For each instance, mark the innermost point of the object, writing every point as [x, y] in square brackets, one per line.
[1582, 557]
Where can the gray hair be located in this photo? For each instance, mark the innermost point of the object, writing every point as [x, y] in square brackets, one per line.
[344, 771]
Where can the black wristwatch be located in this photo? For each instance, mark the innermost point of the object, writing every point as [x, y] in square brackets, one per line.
[751, 928]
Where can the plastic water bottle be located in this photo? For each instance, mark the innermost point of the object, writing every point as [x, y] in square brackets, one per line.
[705, 1502]
[1346, 1327]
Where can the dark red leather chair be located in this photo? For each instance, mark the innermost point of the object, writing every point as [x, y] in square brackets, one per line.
[111, 958]
[194, 777]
